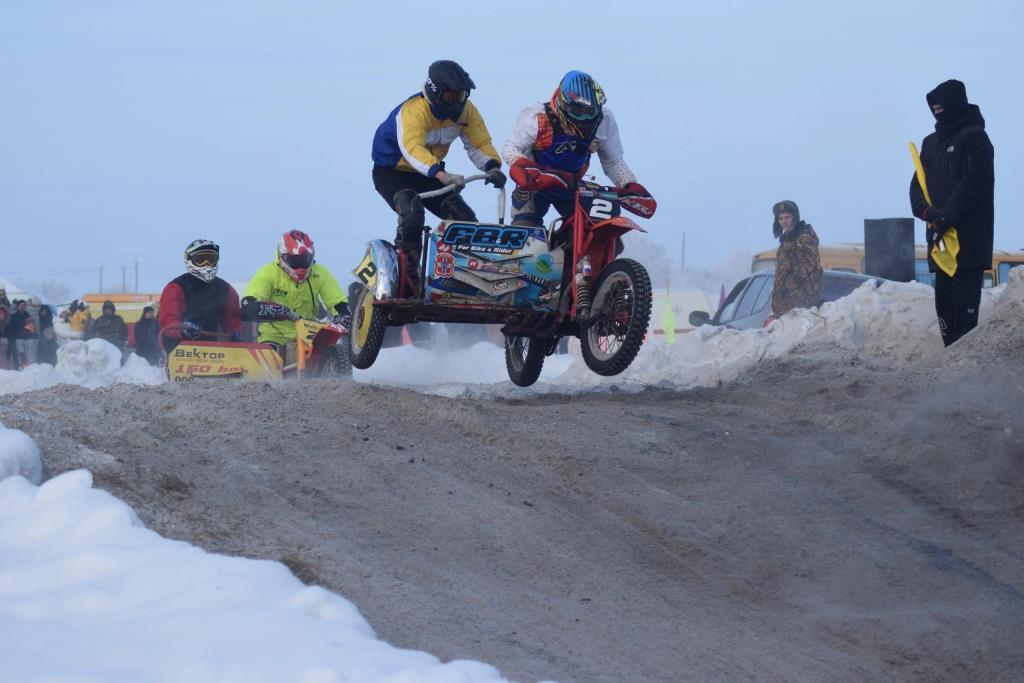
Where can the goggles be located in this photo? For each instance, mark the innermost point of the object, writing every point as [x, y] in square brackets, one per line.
[204, 258]
[581, 112]
[454, 96]
[304, 260]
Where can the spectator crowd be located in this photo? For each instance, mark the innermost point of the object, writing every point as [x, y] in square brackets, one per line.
[28, 335]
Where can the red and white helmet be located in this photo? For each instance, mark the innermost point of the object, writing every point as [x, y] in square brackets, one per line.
[295, 254]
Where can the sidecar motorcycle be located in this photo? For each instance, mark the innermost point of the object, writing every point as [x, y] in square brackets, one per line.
[540, 284]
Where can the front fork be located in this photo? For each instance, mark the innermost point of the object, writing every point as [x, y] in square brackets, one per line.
[588, 257]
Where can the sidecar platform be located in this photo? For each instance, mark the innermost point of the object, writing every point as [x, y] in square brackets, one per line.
[409, 310]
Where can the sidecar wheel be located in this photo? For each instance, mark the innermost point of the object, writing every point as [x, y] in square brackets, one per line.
[621, 313]
[367, 330]
[524, 359]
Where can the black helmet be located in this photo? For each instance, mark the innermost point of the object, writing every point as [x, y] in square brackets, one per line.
[447, 89]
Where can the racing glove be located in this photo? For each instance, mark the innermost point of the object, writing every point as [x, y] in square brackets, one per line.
[265, 311]
[636, 199]
[496, 177]
[529, 176]
[455, 179]
[343, 317]
[190, 330]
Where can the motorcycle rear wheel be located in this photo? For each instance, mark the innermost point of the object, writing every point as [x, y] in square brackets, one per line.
[335, 362]
[524, 359]
[621, 313]
[367, 330]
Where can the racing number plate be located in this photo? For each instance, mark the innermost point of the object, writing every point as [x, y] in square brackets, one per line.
[366, 271]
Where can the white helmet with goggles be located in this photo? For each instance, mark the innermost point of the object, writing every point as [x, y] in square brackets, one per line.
[202, 258]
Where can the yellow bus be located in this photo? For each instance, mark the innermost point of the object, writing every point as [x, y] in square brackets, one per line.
[849, 257]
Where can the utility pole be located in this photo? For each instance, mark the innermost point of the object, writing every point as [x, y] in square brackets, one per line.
[682, 255]
[124, 279]
[101, 278]
[136, 274]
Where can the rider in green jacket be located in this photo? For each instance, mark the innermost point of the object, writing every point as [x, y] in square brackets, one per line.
[293, 286]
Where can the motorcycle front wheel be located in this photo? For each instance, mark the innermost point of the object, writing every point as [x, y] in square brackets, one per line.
[524, 359]
[367, 330]
[619, 318]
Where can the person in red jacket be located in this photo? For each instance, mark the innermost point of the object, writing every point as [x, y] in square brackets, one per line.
[198, 303]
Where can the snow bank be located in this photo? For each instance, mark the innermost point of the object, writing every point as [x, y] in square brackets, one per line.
[999, 337]
[87, 594]
[19, 456]
[894, 323]
[92, 364]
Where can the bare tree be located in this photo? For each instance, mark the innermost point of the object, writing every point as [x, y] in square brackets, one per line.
[654, 256]
[52, 291]
[664, 269]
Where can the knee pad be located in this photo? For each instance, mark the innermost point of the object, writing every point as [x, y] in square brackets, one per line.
[455, 208]
[411, 218]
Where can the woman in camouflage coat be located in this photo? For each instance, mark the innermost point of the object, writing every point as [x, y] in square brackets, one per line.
[798, 263]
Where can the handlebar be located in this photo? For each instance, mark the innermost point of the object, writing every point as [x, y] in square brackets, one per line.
[469, 179]
[203, 335]
[451, 188]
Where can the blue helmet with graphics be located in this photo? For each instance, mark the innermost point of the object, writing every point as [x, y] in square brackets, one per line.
[580, 97]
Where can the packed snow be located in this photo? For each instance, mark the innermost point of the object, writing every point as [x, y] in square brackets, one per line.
[19, 456]
[92, 364]
[89, 594]
[893, 323]
[481, 363]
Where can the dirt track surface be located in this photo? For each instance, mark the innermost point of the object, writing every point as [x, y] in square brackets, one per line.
[826, 520]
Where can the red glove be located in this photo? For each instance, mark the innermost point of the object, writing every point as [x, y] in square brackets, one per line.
[529, 176]
[637, 199]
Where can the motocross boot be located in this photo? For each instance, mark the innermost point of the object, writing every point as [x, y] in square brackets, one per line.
[411, 222]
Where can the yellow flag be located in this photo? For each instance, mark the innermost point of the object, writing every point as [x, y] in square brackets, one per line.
[668, 321]
[946, 248]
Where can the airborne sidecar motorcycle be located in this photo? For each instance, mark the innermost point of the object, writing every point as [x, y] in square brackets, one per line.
[540, 284]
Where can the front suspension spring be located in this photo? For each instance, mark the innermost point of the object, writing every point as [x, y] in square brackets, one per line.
[583, 302]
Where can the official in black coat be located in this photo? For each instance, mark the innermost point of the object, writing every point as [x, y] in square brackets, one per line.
[958, 165]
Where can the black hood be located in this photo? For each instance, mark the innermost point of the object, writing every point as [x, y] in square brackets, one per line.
[952, 95]
[969, 116]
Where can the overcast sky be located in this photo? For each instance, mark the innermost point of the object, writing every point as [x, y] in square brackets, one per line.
[127, 129]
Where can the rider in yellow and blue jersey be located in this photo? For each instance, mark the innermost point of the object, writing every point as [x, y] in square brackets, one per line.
[410, 146]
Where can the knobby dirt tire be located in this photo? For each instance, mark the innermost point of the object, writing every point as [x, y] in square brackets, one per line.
[367, 334]
[524, 364]
[623, 287]
[335, 362]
